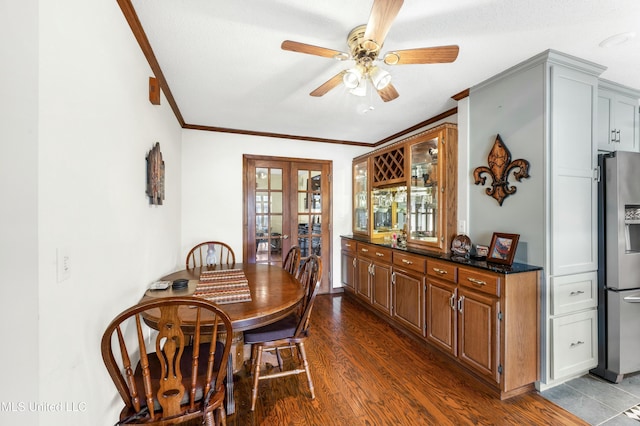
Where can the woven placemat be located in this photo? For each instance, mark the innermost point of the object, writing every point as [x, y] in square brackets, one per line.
[223, 286]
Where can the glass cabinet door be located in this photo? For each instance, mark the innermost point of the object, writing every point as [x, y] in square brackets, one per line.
[361, 197]
[424, 204]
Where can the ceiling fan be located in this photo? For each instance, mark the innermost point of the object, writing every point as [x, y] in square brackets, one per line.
[365, 42]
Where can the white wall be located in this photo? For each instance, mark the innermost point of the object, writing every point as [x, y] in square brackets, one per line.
[73, 163]
[514, 108]
[18, 209]
[212, 185]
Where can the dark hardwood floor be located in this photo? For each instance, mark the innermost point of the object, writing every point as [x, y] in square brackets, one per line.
[365, 372]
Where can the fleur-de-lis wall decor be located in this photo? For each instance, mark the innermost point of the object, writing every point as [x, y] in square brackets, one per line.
[500, 165]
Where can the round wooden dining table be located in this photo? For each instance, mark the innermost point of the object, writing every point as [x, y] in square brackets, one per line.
[275, 293]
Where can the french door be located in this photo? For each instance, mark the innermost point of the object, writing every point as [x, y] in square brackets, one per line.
[287, 203]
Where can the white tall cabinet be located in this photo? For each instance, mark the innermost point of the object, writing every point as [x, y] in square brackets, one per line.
[545, 110]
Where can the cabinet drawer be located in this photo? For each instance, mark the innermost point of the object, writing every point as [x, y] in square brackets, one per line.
[382, 254]
[444, 270]
[480, 281]
[348, 245]
[409, 261]
[573, 293]
[574, 347]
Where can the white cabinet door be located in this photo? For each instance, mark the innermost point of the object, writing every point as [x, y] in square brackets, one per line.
[574, 236]
[606, 138]
[625, 111]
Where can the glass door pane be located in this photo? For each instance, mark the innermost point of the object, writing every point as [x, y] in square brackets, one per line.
[361, 198]
[309, 233]
[268, 215]
[423, 192]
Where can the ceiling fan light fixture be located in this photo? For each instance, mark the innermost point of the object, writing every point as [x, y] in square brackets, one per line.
[360, 89]
[379, 77]
[352, 77]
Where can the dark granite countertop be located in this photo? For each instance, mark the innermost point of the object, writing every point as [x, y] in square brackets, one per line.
[482, 264]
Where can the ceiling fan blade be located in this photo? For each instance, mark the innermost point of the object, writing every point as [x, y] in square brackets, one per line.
[383, 13]
[389, 93]
[309, 49]
[328, 85]
[425, 55]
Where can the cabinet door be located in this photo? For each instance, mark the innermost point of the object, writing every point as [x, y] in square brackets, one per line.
[381, 287]
[574, 192]
[348, 270]
[363, 287]
[441, 315]
[408, 300]
[625, 112]
[361, 197]
[432, 199]
[606, 131]
[478, 333]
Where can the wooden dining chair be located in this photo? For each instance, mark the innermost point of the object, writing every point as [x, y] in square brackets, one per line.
[291, 261]
[173, 381]
[289, 332]
[211, 253]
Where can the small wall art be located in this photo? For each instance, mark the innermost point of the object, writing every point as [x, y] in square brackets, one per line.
[500, 165]
[155, 175]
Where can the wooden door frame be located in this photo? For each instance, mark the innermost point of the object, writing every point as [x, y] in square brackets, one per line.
[326, 285]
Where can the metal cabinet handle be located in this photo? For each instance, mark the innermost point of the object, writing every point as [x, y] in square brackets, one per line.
[364, 250]
[578, 343]
[452, 302]
[354, 262]
[632, 299]
[408, 262]
[576, 293]
[440, 271]
[460, 303]
[618, 135]
[379, 254]
[393, 278]
[475, 281]
[347, 245]
[613, 135]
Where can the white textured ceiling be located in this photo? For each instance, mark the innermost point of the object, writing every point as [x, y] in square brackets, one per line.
[224, 66]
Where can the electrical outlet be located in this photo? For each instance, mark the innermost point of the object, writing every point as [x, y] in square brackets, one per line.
[63, 264]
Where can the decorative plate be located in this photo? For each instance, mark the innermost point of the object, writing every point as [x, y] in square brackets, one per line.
[461, 245]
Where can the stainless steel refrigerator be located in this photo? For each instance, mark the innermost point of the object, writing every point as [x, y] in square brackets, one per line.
[618, 265]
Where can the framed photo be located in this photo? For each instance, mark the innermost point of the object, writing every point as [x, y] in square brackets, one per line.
[503, 248]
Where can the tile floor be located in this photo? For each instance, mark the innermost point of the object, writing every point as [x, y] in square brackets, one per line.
[599, 402]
